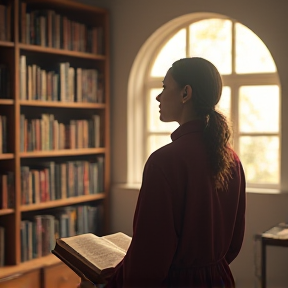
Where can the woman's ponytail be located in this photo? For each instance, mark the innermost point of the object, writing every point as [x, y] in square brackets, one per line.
[216, 136]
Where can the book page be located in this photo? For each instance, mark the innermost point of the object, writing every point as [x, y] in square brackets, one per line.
[120, 239]
[99, 252]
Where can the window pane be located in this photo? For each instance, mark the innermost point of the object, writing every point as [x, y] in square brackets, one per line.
[154, 122]
[259, 108]
[157, 141]
[212, 39]
[174, 49]
[224, 105]
[260, 159]
[252, 55]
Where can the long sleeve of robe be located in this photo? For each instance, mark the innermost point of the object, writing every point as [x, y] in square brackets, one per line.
[185, 232]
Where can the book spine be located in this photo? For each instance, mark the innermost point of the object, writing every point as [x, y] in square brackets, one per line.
[23, 22]
[1, 134]
[2, 246]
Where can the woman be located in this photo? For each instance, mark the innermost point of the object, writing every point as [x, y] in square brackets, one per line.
[190, 216]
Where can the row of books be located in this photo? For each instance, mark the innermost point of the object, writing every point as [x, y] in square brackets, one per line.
[65, 84]
[7, 190]
[2, 246]
[48, 134]
[38, 235]
[50, 29]
[3, 134]
[4, 82]
[5, 22]
[55, 181]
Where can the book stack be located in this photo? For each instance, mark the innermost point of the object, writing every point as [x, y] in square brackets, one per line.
[38, 235]
[48, 134]
[50, 29]
[65, 84]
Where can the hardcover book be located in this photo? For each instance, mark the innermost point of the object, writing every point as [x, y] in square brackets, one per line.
[92, 257]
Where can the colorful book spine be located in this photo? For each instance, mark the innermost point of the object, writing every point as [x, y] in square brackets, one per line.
[66, 84]
[38, 234]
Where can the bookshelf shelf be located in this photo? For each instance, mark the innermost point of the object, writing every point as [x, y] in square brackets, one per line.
[61, 104]
[6, 156]
[62, 202]
[37, 48]
[60, 74]
[6, 102]
[60, 153]
[6, 211]
[6, 44]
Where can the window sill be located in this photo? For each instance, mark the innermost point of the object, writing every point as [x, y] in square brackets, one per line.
[137, 186]
[265, 190]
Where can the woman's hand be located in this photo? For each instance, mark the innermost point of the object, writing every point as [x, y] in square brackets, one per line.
[86, 284]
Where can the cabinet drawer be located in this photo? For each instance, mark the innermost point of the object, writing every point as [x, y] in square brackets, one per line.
[27, 280]
[60, 276]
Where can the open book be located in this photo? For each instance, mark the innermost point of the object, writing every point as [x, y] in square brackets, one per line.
[92, 257]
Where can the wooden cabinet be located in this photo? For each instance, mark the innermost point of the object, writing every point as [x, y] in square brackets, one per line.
[54, 133]
[51, 276]
[60, 276]
[27, 280]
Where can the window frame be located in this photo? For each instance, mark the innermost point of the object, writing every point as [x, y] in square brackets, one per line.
[233, 80]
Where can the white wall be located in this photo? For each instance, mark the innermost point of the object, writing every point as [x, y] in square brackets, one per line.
[132, 22]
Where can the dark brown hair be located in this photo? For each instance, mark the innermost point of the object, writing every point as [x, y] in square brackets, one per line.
[206, 84]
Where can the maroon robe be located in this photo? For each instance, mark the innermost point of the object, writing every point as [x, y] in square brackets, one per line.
[185, 232]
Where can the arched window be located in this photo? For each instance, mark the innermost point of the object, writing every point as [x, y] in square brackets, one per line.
[250, 97]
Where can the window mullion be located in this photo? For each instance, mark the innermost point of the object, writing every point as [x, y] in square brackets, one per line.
[235, 115]
[233, 52]
[187, 41]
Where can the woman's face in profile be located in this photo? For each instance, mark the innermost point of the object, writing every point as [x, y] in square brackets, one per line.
[170, 100]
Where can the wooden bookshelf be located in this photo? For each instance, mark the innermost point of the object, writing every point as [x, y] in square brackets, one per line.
[6, 156]
[6, 44]
[34, 55]
[61, 104]
[62, 202]
[6, 211]
[6, 102]
[37, 48]
[60, 153]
